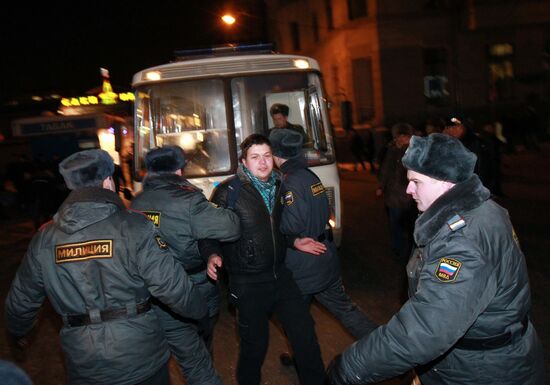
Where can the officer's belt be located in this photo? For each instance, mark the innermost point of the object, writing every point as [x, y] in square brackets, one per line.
[488, 343]
[325, 235]
[75, 320]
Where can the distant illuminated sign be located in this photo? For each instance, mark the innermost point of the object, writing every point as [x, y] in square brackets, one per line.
[55, 126]
[105, 98]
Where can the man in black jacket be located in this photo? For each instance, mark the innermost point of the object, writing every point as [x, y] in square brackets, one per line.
[98, 263]
[306, 213]
[183, 216]
[467, 317]
[259, 282]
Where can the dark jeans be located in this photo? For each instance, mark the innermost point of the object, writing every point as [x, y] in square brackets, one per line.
[255, 303]
[335, 299]
[401, 221]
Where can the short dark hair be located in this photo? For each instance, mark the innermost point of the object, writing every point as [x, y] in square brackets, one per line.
[279, 108]
[250, 141]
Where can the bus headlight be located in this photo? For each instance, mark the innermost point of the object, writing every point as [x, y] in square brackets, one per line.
[301, 63]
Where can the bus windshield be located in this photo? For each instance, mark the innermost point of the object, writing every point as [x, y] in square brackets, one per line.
[210, 117]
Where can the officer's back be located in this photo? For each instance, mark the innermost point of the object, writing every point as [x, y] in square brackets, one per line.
[98, 263]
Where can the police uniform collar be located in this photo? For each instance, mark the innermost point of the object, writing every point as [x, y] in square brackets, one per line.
[168, 181]
[94, 194]
[160, 180]
[462, 198]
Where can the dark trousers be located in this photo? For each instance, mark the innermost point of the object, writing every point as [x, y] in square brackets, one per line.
[335, 299]
[188, 347]
[401, 223]
[255, 303]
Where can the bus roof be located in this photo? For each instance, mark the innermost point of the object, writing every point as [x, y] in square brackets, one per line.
[225, 66]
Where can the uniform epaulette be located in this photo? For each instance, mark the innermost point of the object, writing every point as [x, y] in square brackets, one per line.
[188, 188]
[456, 223]
[43, 226]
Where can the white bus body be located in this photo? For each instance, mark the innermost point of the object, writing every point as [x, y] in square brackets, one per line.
[208, 105]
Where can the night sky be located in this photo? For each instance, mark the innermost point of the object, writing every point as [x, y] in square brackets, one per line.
[59, 45]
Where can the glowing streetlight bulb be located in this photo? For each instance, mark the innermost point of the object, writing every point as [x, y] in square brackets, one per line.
[228, 19]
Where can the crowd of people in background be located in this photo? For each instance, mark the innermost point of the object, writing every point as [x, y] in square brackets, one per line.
[488, 139]
[33, 187]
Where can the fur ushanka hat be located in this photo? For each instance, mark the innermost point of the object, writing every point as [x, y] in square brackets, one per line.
[86, 168]
[441, 157]
[285, 143]
[164, 160]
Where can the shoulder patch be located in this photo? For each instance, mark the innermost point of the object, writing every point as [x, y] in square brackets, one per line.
[153, 216]
[44, 225]
[288, 198]
[456, 223]
[317, 189]
[162, 245]
[447, 269]
[83, 251]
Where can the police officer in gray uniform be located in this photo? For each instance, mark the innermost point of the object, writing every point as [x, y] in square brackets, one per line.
[98, 264]
[306, 213]
[467, 317]
[183, 215]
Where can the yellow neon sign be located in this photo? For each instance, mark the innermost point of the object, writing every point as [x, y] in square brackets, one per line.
[106, 98]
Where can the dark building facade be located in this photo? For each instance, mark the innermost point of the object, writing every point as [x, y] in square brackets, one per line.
[401, 60]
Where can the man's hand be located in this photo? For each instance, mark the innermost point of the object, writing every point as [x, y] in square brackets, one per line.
[214, 263]
[379, 192]
[309, 245]
[333, 372]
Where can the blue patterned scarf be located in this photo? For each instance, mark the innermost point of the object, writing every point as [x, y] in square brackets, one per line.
[266, 189]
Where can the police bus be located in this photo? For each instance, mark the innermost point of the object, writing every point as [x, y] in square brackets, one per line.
[208, 101]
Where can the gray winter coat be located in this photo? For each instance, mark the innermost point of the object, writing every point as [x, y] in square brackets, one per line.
[183, 215]
[98, 256]
[468, 280]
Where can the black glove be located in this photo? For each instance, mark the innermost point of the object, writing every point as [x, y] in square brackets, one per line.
[333, 372]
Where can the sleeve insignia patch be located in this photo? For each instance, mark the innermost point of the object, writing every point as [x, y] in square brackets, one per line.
[288, 198]
[162, 245]
[317, 189]
[153, 216]
[73, 252]
[447, 269]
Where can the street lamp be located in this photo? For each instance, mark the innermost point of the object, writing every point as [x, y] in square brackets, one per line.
[228, 19]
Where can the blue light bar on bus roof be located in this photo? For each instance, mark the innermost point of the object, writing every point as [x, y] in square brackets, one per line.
[225, 50]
